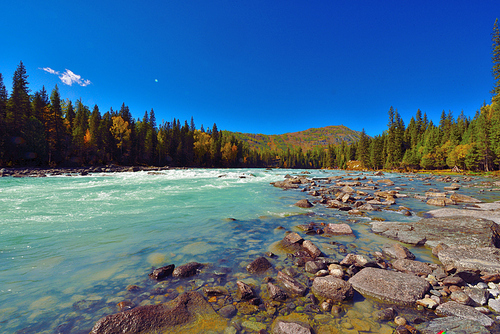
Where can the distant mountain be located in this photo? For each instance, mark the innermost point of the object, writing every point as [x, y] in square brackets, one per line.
[308, 139]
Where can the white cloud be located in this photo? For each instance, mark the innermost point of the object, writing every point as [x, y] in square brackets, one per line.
[68, 77]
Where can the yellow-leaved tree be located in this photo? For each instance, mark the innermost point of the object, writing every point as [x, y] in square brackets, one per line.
[121, 131]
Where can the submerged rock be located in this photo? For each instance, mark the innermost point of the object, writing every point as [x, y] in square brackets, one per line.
[332, 288]
[390, 286]
[187, 270]
[188, 313]
[452, 324]
[259, 265]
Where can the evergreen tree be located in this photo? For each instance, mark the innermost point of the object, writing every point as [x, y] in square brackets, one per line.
[54, 127]
[363, 151]
[18, 106]
[3, 116]
[495, 57]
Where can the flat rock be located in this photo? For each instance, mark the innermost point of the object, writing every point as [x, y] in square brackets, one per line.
[188, 313]
[412, 267]
[452, 325]
[459, 198]
[332, 288]
[464, 312]
[489, 211]
[390, 286]
[338, 229]
[440, 201]
[447, 230]
[284, 327]
[471, 258]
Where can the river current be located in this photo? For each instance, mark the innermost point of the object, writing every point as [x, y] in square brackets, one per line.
[71, 245]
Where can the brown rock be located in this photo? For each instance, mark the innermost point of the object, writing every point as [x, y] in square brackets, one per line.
[304, 203]
[332, 288]
[412, 267]
[245, 291]
[275, 293]
[338, 229]
[459, 198]
[311, 248]
[290, 284]
[398, 251]
[161, 273]
[187, 270]
[188, 313]
[259, 265]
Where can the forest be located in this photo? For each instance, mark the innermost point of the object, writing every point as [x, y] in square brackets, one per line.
[46, 130]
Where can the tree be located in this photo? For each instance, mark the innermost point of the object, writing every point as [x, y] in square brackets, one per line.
[495, 58]
[18, 106]
[54, 127]
[35, 145]
[3, 116]
[363, 151]
[120, 131]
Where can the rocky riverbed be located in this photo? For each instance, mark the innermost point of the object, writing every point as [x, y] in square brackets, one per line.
[307, 282]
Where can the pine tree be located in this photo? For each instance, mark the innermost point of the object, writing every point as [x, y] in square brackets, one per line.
[18, 106]
[3, 116]
[54, 127]
[495, 57]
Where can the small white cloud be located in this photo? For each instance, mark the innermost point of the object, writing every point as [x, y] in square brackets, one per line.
[48, 69]
[68, 77]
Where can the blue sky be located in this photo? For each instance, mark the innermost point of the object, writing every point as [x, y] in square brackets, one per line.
[257, 66]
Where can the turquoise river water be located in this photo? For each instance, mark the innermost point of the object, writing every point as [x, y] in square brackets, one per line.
[70, 245]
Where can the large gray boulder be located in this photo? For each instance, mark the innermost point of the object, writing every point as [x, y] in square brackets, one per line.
[390, 286]
[471, 258]
[188, 313]
[447, 230]
[332, 288]
[464, 312]
[452, 325]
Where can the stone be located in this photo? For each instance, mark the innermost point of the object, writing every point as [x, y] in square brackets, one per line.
[188, 313]
[338, 229]
[275, 292]
[390, 286]
[480, 210]
[332, 288]
[259, 265]
[478, 296]
[245, 291]
[284, 327]
[356, 259]
[187, 270]
[304, 203]
[400, 321]
[313, 267]
[484, 259]
[452, 325]
[412, 267]
[161, 273]
[460, 297]
[459, 198]
[311, 248]
[290, 284]
[228, 311]
[385, 314]
[440, 201]
[453, 280]
[398, 251]
[366, 207]
[494, 304]
[464, 312]
[253, 326]
[447, 230]
[292, 239]
[427, 302]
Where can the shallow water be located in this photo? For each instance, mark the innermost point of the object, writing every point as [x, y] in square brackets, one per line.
[70, 246]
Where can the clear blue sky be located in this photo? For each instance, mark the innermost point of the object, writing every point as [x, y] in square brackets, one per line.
[257, 66]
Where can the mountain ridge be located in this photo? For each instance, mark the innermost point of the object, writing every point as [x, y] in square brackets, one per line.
[306, 139]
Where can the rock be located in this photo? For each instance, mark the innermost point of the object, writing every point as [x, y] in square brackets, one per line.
[290, 284]
[367, 207]
[304, 203]
[332, 288]
[338, 229]
[285, 185]
[228, 311]
[453, 280]
[440, 201]
[292, 239]
[275, 293]
[311, 248]
[427, 302]
[400, 321]
[211, 291]
[390, 286]
[460, 297]
[412, 267]
[188, 313]
[245, 291]
[161, 273]
[313, 267]
[398, 251]
[387, 182]
[187, 270]
[283, 327]
[481, 210]
[464, 312]
[356, 259]
[447, 230]
[452, 325]
[347, 189]
[484, 259]
[259, 265]
[459, 198]
[385, 314]
[494, 304]
[430, 194]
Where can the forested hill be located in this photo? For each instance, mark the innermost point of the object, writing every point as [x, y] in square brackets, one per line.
[307, 140]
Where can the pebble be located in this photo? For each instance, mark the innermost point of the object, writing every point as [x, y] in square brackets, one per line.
[400, 321]
[482, 285]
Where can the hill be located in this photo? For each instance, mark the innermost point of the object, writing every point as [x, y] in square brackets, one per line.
[307, 140]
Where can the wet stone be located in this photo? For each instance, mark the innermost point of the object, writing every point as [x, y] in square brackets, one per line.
[259, 265]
